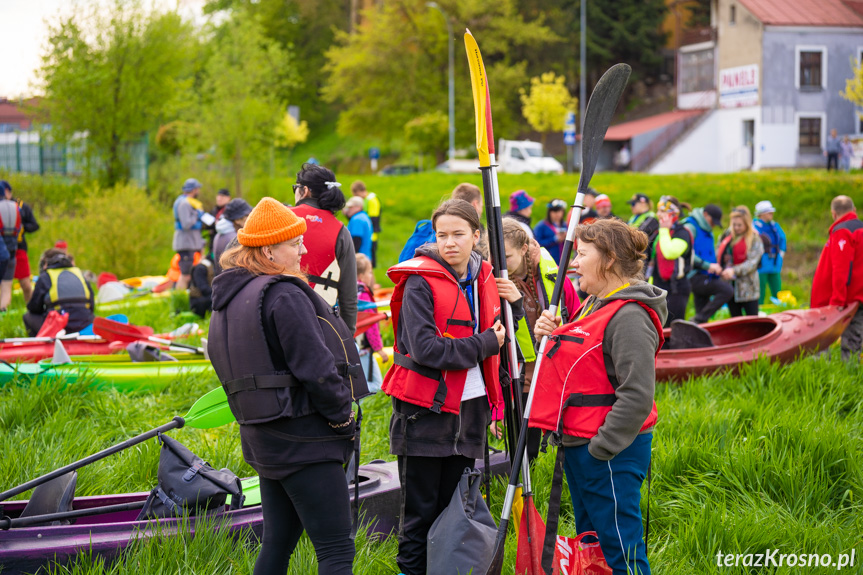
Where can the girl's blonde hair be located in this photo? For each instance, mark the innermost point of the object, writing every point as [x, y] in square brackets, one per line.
[742, 213]
[364, 264]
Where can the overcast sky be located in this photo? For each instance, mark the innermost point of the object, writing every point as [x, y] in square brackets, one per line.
[23, 34]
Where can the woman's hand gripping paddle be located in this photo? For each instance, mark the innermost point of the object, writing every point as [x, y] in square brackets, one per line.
[600, 110]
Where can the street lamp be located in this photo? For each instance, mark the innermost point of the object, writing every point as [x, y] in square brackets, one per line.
[451, 153]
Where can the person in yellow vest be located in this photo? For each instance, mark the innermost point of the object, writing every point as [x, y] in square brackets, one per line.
[61, 286]
[533, 272]
[372, 207]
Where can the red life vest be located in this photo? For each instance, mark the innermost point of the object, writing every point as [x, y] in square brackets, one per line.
[428, 387]
[738, 251]
[573, 388]
[320, 264]
[666, 266]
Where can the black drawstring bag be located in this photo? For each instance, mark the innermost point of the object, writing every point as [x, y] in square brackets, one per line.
[189, 485]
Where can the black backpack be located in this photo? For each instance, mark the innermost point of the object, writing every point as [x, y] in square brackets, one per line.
[189, 485]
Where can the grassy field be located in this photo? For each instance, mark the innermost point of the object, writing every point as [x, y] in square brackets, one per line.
[133, 236]
[770, 459]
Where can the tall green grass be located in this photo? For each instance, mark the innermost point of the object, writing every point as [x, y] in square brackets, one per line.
[769, 459]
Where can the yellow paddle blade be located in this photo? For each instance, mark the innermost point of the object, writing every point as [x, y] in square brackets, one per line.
[480, 96]
[517, 508]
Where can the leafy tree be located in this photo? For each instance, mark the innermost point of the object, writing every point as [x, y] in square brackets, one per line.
[429, 133]
[393, 67]
[546, 105]
[306, 29]
[289, 132]
[240, 105]
[854, 86]
[114, 72]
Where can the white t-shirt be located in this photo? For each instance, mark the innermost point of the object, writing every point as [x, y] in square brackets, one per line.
[473, 385]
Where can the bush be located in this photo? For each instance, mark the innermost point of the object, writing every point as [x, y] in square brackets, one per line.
[120, 230]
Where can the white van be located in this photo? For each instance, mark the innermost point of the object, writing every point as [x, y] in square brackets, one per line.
[524, 157]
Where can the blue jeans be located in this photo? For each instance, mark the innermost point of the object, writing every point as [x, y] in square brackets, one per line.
[606, 498]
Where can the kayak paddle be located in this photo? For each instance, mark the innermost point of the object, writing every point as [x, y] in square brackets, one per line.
[116, 331]
[600, 109]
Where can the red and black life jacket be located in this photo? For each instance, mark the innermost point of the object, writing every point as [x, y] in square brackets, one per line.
[574, 393]
[429, 387]
[320, 264]
[665, 266]
[738, 252]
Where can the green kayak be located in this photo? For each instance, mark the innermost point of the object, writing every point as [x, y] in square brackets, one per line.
[122, 376]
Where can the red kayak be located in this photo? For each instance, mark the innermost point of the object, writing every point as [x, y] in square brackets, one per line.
[729, 343]
[32, 351]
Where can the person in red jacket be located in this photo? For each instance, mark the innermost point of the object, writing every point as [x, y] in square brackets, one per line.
[839, 275]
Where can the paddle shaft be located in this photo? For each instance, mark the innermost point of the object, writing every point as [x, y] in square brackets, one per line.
[175, 423]
[7, 523]
[595, 124]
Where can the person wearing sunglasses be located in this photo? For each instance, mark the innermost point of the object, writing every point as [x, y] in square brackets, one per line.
[331, 262]
[671, 256]
[550, 233]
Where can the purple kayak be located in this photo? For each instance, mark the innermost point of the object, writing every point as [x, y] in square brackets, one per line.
[26, 549]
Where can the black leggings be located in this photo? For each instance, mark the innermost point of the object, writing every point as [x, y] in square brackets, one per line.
[315, 499]
[738, 307]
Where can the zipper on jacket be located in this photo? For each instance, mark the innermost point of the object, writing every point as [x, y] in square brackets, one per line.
[457, 433]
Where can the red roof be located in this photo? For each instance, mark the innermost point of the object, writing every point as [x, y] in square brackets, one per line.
[848, 13]
[625, 131]
[13, 113]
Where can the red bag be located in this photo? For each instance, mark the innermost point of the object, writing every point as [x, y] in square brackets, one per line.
[574, 556]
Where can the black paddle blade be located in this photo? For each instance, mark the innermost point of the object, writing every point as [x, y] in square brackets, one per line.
[496, 565]
[600, 109]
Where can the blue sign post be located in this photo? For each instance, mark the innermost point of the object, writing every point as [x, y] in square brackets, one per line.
[569, 139]
[374, 156]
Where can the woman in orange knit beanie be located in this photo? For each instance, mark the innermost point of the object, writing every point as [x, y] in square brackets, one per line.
[276, 346]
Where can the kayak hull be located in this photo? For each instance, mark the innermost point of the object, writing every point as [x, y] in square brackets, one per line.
[27, 549]
[36, 351]
[122, 376]
[782, 337]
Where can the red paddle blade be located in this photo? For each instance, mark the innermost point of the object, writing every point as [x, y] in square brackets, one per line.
[366, 319]
[53, 324]
[111, 330]
[531, 533]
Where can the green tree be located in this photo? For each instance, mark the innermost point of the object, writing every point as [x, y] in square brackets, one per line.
[546, 105]
[289, 132]
[114, 72]
[854, 86]
[393, 67]
[429, 133]
[240, 104]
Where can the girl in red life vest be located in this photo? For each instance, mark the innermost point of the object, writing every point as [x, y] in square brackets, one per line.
[739, 253]
[330, 263]
[596, 386]
[671, 254]
[445, 311]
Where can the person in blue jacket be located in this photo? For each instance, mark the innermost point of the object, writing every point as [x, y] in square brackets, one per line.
[359, 225]
[770, 271]
[551, 232]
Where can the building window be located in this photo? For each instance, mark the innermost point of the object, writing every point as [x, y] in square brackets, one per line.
[811, 71]
[697, 71]
[732, 18]
[810, 135]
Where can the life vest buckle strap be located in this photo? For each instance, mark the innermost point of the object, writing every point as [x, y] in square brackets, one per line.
[460, 322]
[347, 369]
[327, 282]
[428, 372]
[590, 400]
[253, 382]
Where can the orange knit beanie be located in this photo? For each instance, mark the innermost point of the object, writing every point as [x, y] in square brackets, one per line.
[270, 223]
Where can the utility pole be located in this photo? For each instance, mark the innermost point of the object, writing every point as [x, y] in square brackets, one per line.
[582, 81]
[451, 95]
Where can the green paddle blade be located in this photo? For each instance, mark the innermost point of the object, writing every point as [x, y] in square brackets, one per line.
[252, 491]
[211, 410]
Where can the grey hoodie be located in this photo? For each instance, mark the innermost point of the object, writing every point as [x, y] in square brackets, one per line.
[629, 345]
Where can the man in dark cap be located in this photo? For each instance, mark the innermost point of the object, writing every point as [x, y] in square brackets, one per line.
[588, 214]
[233, 218]
[710, 292]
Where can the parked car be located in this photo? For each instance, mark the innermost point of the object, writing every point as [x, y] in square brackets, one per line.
[524, 157]
[398, 170]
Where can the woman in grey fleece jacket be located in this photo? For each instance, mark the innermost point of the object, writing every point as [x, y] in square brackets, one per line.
[607, 463]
